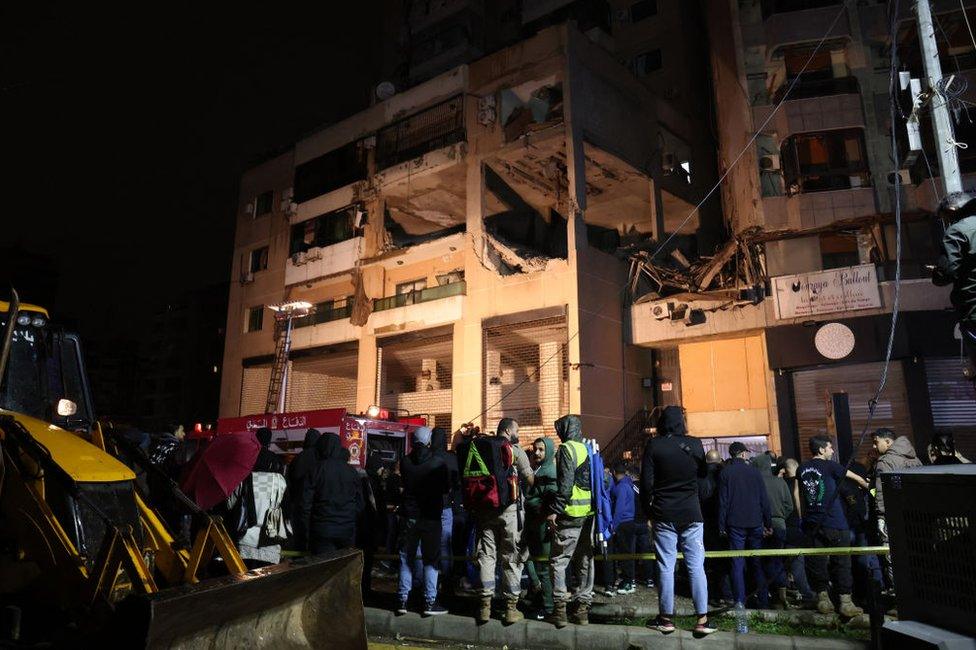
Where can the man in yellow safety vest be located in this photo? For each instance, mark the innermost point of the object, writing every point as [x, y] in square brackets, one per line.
[571, 524]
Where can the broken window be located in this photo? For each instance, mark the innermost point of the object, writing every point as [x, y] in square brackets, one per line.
[324, 230]
[838, 249]
[647, 62]
[531, 106]
[451, 277]
[255, 319]
[830, 160]
[262, 205]
[259, 259]
[330, 171]
[411, 290]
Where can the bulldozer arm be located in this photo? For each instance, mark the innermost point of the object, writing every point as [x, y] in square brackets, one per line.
[312, 602]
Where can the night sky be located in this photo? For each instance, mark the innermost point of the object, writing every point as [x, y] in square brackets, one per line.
[125, 132]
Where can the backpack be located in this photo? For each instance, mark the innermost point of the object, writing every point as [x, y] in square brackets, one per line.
[489, 480]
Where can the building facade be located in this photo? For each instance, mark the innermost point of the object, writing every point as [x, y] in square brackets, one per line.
[458, 238]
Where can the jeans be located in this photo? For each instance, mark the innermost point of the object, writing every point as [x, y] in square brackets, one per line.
[623, 541]
[666, 540]
[868, 565]
[447, 536]
[747, 538]
[642, 544]
[839, 565]
[775, 567]
[427, 535]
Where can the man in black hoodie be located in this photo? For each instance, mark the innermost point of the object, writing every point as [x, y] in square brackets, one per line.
[301, 468]
[673, 463]
[267, 460]
[331, 500]
[425, 482]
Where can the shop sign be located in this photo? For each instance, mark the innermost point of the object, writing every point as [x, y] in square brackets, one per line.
[826, 292]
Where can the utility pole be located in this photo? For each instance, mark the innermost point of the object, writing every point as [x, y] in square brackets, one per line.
[941, 122]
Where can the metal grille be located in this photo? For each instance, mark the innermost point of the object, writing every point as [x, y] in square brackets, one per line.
[323, 381]
[526, 375]
[812, 388]
[438, 126]
[953, 401]
[254, 389]
[415, 376]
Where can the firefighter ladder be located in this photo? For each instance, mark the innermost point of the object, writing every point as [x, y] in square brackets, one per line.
[278, 386]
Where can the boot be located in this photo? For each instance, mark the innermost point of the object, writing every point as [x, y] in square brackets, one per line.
[847, 607]
[484, 610]
[779, 599]
[558, 616]
[824, 606]
[581, 614]
[512, 613]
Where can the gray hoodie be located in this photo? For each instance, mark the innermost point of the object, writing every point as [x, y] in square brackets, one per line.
[900, 455]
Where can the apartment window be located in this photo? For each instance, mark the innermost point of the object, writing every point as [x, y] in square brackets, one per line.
[647, 63]
[411, 290]
[829, 160]
[259, 259]
[264, 202]
[255, 319]
[643, 9]
[324, 230]
[838, 250]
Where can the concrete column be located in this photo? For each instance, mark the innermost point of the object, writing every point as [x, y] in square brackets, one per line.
[366, 372]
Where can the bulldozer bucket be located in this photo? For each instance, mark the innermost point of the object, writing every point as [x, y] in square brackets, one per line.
[312, 602]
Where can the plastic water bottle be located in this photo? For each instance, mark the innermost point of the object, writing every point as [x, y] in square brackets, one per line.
[741, 619]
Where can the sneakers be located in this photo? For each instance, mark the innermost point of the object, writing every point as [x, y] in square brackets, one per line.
[662, 625]
[626, 588]
[609, 592]
[703, 629]
[649, 583]
[401, 608]
[434, 609]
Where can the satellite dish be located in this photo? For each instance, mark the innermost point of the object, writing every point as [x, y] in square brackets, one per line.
[385, 90]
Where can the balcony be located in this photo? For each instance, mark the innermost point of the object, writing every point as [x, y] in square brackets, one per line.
[417, 297]
[438, 126]
[326, 312]
[318, 262]
[800, 21]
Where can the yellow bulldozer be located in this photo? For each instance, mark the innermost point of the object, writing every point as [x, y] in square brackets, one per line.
[85, 559]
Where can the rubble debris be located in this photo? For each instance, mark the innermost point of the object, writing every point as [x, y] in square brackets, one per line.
[506, 259]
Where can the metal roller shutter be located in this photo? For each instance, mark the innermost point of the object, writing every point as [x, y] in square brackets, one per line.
[254, 389]
[812, 388]
[953, 401]
[416, 376]
[526, 375]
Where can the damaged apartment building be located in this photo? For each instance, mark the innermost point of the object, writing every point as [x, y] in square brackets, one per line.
[781, 333]
[461, 239]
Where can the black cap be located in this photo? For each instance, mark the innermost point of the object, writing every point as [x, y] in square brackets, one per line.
[736, 448]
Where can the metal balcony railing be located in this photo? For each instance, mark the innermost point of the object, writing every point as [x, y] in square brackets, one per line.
[438, 126]
[417, 297]
[326, 312]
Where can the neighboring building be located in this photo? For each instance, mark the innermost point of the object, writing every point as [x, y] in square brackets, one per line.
[457, 237]
[180, 360]
[818, 184]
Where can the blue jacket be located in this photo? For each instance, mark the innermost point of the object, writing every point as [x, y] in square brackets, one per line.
[622, 497]
[742, 498]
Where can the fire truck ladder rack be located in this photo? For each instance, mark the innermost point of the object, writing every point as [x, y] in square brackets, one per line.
[285, 313]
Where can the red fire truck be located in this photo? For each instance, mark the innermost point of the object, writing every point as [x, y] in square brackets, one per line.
[360, 434]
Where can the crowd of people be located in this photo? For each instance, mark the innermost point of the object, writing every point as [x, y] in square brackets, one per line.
[523, 526]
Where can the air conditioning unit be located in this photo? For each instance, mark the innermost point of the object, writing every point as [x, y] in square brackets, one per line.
[903, 175]
[286, 200]
[770, 162]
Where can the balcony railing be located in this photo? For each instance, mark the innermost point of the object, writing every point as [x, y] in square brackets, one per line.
[809, 88]
[417, 297]
[326, 312]
[433, 128]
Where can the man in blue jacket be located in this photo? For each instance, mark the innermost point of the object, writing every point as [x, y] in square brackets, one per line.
[744, 517]
[624, 530]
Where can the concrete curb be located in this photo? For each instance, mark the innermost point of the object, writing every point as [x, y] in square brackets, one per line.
[536, 634]
[797, 616]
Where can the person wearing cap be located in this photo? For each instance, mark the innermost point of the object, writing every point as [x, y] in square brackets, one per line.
[426, 480]
[957, 264]
[744, 516]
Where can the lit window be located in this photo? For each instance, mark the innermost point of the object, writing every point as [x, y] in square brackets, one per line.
[255, 319]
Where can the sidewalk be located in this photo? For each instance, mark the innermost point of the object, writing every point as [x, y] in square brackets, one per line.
[535, 634]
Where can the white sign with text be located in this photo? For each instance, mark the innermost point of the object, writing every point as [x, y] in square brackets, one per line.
[825, 292]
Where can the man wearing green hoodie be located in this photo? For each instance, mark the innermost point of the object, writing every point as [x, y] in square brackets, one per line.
[571, 521]
[537, 500]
